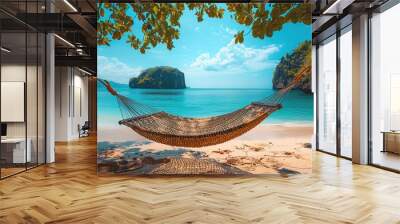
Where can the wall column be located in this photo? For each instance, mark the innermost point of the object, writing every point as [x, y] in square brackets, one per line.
[50, 98]
[50, 91]
[360, 90]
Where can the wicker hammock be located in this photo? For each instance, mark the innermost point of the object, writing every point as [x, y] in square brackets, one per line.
[174, 130]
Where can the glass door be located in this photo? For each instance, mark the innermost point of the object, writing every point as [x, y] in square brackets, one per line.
[327, 95]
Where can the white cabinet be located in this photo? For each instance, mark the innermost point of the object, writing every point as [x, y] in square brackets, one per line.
[19, 155]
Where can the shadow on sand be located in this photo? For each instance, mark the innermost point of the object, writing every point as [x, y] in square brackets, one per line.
[129, 158]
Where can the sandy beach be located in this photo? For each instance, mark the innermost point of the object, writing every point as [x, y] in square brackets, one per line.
[267, 149]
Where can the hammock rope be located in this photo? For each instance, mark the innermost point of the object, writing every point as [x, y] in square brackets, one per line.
[175, 130]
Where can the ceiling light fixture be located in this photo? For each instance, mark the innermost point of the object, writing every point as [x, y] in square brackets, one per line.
[331, 7]
[5, 50]
[337, 7]
[84, 71]
[65, 41]
[70, 5]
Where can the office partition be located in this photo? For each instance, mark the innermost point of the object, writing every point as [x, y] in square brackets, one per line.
[22, 77]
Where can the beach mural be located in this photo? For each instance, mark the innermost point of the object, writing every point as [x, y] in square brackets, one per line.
[204, 89]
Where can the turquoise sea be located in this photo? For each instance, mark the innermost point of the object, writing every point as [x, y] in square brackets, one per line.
[191, 102]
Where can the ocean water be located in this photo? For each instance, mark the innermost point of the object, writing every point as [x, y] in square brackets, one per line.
[297, 106]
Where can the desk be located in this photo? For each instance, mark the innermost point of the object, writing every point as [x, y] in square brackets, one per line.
[16, 153]
[391, 141]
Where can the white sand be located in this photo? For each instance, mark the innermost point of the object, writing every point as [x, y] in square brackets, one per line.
[265, 149]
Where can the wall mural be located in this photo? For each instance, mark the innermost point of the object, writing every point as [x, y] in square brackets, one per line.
[204, 89]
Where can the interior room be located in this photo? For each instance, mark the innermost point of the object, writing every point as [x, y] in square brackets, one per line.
[28, 57]
[61, 127]
[334, 54]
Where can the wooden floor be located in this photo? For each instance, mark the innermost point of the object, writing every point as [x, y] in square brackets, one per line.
[69, 191]
[387, 159]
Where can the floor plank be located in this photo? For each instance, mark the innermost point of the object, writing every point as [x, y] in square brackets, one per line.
[70, 191]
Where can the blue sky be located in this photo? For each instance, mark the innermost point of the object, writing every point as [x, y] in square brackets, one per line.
[206, 54]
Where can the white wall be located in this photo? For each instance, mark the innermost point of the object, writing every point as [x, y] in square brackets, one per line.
[80, 110]
[33, 126]
[17, 73]
[14, 73]
[71, 102]
[61, 103]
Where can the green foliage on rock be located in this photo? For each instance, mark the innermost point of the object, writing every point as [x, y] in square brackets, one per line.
[162, 77]
[290, 64]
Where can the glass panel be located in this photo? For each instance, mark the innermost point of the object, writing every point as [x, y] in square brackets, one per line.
[385, 84]
[346, 93]
[23, 88]
[327, 95]
[31, 98]
[41, 99]
[32, 87]
[13, 86]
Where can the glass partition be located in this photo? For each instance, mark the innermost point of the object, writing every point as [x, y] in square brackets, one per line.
[31, 98]
[41, 97]
[13, 94]
[22, 101]
[385, 89]
[346, 92]
[327, 95]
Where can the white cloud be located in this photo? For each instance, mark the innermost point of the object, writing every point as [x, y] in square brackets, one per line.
[111, 68]
[236, 58]
[197, 28]
[230, 31]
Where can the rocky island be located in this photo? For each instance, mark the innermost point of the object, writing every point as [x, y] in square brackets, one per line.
[161, 77]
[290, 65]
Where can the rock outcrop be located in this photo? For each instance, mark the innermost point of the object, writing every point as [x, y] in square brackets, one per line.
[162, 77]
[290, 65]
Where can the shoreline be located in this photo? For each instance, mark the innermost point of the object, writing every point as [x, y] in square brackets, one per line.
[119, 133]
